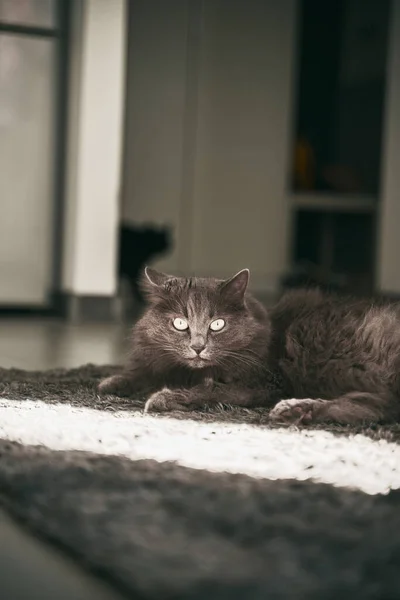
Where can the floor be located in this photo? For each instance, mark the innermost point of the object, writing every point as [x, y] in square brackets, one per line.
[30, 569]
[37, 344]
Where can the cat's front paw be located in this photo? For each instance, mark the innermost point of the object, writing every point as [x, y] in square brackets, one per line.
[303, 411]
[166, 400]
[116, 385]
[108, 385]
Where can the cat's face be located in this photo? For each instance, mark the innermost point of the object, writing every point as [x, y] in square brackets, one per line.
[199, 323]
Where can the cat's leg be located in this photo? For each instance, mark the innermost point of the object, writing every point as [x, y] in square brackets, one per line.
[350, 409]
[167, 400]
[122, 385]
[204, 395]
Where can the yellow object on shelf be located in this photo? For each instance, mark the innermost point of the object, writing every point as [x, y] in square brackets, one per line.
[304, 165]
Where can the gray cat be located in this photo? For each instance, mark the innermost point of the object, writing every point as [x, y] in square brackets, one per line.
[207, 341]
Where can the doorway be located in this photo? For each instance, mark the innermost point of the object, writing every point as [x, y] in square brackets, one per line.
[31, 146]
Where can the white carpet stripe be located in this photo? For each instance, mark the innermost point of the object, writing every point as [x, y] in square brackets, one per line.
[355, 462]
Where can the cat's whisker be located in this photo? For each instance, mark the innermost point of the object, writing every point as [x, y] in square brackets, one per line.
[247, 360]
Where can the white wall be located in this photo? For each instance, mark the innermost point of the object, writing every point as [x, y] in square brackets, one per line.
[244, 117]
[96, 100]
[209, 114]
[388, 263]
[156, 86]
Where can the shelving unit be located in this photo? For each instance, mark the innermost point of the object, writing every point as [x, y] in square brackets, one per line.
[337, 141]
[330, 202]
[326, 215]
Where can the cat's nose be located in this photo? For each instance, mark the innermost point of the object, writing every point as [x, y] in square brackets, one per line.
[198, 347]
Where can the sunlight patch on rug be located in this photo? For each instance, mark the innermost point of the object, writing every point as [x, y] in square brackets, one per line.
[356, 462]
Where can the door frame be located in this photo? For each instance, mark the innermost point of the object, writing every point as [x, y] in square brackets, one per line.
[60, 33]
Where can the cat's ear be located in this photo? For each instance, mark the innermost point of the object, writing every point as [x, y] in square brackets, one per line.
[153, 284]
[155, 278]
[235, 287]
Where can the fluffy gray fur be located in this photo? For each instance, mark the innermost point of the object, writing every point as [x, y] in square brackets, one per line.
[340, 355]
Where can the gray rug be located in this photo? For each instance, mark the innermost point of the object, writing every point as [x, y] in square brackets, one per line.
[77, 387]
[159, 529]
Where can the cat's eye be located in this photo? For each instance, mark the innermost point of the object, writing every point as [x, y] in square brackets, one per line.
[217, 325]
[180, 324]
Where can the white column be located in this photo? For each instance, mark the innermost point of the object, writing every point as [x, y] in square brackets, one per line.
[388, 255]
[96, 100]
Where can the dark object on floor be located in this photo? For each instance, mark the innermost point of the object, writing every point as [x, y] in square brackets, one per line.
[137, 247]
[158, 530]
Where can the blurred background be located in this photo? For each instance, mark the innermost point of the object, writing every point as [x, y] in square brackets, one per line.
[199, 136]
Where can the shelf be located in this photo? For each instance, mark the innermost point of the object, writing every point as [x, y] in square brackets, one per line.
[350, 203]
